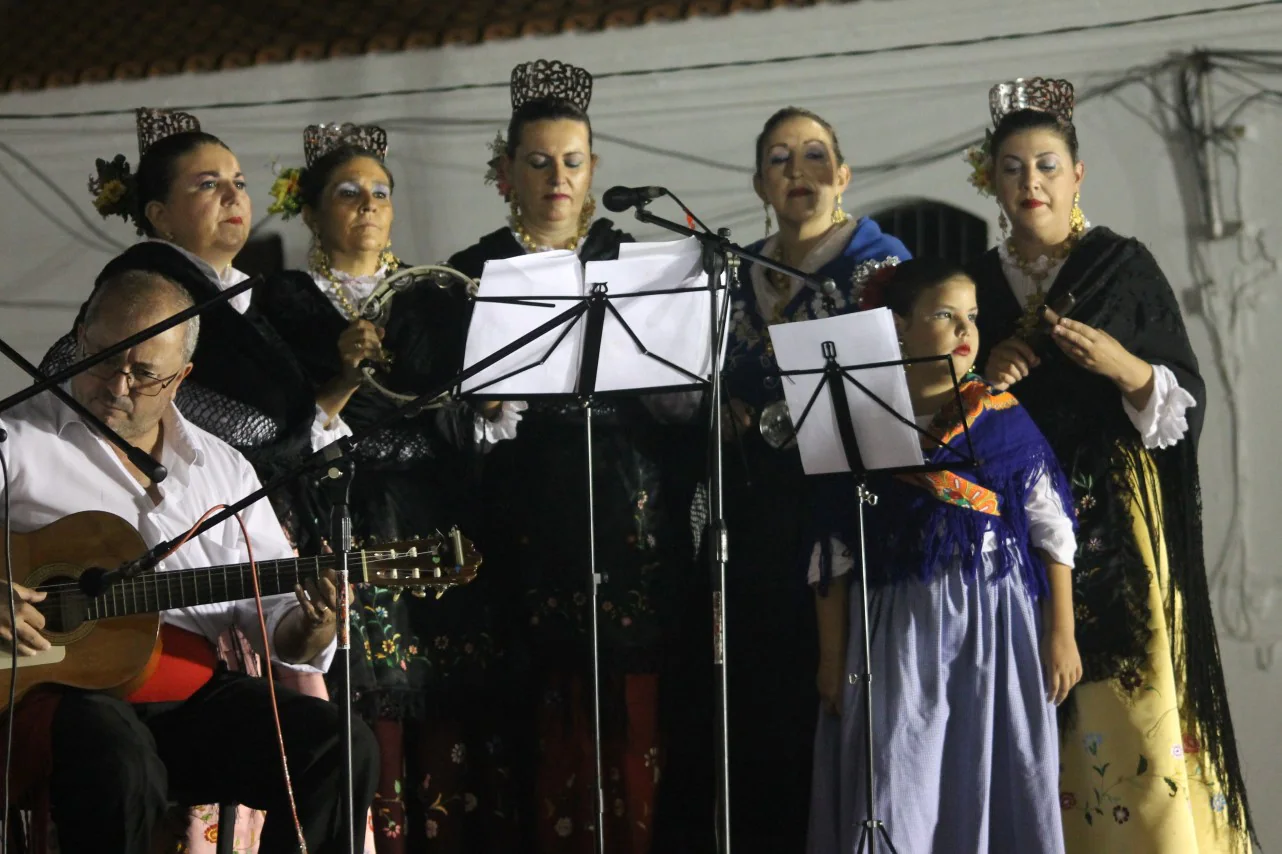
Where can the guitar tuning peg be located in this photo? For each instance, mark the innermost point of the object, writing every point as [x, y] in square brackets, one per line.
[418, 592]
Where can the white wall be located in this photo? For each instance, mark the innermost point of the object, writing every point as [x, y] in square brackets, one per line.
[885, 106]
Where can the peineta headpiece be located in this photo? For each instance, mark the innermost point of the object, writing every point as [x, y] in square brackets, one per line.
[319, 140]
[156, 124]
[1043, 94]
[550, 80]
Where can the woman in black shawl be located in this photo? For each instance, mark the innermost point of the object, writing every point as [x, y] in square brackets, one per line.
[536, 505]
[188, 198]
[428, 674]
[1081, 324]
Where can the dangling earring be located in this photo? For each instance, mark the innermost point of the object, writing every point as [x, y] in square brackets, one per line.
[1076, 219]
[765, 206]
[1003, 224]
[586, 215]
[317, 257]
[387, 260]
[514, 211]
[839, 215]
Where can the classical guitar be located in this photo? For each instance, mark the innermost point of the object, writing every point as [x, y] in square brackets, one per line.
[111, 642]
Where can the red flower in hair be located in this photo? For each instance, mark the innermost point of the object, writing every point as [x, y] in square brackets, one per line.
[873, 293]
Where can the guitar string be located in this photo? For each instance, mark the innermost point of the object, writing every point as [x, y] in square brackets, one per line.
[194, 573]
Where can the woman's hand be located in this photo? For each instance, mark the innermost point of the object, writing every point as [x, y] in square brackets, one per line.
[831, 682]
[358, 342]
[1010, 362]
[1062, 662]
[1100, 353]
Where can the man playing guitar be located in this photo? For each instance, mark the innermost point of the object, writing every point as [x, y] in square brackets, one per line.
[192, 733]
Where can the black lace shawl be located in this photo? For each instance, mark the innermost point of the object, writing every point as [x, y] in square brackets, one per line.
[424, 333]
[535, 513]
[1122, 290]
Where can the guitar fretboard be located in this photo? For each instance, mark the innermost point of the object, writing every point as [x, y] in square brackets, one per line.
[186, 588]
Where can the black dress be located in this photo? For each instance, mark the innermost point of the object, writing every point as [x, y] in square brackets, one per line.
[536, 528]
[1119, 288]
[438, 666]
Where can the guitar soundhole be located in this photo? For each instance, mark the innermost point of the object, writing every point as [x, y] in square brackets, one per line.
[64, 607]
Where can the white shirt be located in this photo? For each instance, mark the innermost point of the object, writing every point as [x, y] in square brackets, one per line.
[1163, 422]
[59, 466]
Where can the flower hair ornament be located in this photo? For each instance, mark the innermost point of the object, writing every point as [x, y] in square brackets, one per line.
[113, 184]
[869, 282]
[541, 80]
[318, 141]
[1045, 95]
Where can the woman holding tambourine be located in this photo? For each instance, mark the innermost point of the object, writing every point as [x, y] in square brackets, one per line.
[372, 335]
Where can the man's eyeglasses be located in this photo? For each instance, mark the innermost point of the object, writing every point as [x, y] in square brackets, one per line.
[138, 382]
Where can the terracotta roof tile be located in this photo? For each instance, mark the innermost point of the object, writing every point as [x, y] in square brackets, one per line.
[88, 41]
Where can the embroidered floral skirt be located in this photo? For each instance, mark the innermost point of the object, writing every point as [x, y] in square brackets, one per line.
[1132, 779]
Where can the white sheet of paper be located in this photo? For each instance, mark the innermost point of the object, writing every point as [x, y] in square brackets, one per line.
[674, 326]
[496, 324]
[861, 338]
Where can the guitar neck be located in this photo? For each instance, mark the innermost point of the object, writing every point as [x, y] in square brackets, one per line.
[185, 588]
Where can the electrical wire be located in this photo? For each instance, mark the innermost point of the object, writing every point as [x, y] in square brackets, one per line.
[13, 651]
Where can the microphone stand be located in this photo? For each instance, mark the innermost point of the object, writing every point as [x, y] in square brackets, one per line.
[720, 254]
[141, 460]
[121, 346]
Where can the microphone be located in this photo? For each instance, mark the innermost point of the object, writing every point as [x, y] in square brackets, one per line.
[619, 199]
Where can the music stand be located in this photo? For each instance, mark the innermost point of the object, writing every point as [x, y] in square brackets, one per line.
[834, 377]
[586, 327]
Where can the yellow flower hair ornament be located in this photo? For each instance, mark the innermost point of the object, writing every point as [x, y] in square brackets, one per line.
[112, 188]
[980, 158]
[287, 197]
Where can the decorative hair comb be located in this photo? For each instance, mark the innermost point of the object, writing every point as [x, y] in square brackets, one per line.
[550, 80]
[869, 280]
[319, 140]
[1034, 93]
[156, 124]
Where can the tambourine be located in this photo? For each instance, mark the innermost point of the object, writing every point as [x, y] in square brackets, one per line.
[776, 427]
[377, 308]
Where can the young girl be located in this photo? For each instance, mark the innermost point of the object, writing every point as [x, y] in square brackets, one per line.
[967, 669]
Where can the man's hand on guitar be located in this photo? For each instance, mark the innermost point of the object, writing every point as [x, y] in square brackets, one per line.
[318, 599]
[306, 631]
[29, 621]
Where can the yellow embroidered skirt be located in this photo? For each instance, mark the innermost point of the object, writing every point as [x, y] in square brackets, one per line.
[1132, 780]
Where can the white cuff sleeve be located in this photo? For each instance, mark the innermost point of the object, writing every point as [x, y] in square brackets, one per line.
[1162, 422]
[274, 610]
[326, 429]
[842, 560]
[504, 427]
[1049, 526]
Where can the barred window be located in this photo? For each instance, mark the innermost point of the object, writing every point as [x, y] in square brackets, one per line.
[935, 229]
